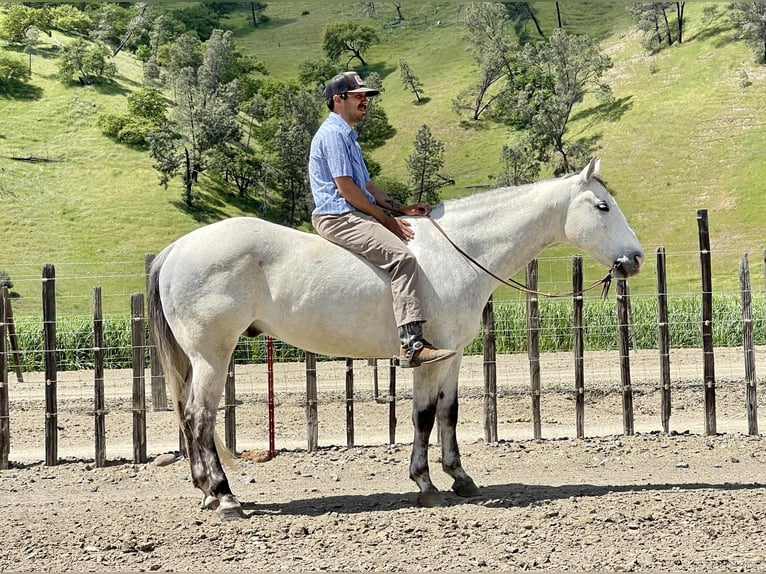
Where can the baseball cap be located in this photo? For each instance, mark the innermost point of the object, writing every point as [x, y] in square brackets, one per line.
[347, 82]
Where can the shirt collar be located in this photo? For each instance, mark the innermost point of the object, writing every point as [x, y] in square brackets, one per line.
[335, 118]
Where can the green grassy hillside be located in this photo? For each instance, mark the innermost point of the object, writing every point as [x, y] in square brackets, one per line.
[685, 135]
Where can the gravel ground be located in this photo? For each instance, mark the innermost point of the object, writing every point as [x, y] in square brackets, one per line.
[678, 501]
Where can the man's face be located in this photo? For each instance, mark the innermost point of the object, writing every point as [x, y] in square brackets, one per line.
[352, 108]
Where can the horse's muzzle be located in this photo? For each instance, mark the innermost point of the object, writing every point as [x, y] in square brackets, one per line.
[628, 265]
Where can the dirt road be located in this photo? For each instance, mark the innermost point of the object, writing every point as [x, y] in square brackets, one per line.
[653, 501]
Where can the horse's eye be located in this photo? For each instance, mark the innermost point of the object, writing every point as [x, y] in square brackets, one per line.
[602, 206]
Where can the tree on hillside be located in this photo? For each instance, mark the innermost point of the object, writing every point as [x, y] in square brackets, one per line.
[487, 39]
[317, 72]
[348, 38]
[31, 37]
[256, 9]
[12, 70]
[147, 110]
[520, 164]
[750, 18]
[558, 74]
[296, 123]
[70, 19]
[204, 116]
[410, 81]
[652, 19]
[139, 22]
[86, 61]
[19, 18]
[424, 164]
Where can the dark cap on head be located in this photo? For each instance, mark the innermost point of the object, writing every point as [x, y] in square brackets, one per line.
[347, 82]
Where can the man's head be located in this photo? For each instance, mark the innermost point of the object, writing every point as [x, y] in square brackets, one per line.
[345, 85]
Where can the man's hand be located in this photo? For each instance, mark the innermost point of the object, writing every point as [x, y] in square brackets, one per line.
[399, 227]
[416, 209]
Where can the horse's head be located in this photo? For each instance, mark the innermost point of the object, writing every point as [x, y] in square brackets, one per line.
[595, 224]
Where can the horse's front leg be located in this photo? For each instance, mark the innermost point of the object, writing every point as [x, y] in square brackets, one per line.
[447, 413]
[199, 429]
[423, 416]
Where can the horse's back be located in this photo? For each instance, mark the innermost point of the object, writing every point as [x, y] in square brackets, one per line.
[245, 274]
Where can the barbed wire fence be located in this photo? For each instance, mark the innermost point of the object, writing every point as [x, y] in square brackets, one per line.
[26, 389]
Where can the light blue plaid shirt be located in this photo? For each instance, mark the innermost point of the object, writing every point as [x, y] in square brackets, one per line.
[335, 152]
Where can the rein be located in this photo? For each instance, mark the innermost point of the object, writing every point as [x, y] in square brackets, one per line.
[605, 281]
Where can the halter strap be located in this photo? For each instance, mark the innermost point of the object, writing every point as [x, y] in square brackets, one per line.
[606, 281]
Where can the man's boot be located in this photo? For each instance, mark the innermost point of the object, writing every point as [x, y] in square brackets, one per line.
[415, 350]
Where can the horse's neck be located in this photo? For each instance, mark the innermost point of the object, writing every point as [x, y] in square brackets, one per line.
[506, 228]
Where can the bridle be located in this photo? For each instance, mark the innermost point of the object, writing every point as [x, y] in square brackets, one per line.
[605, 281]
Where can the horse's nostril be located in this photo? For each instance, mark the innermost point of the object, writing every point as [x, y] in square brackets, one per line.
[639, 260]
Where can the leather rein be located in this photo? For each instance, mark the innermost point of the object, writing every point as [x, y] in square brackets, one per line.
[605, 281]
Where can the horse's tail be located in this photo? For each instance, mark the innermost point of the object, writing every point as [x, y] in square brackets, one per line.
[175, 363]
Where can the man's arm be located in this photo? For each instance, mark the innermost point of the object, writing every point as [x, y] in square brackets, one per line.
[388, 202]
[356, 197]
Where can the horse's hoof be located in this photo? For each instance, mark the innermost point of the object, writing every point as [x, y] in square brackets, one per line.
[231, 513]
[430, 499]
[466, 488]
[210, 502]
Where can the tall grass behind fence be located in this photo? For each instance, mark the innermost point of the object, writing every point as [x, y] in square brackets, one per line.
[75, 334]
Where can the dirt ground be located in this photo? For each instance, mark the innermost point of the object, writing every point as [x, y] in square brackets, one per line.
[678, 501]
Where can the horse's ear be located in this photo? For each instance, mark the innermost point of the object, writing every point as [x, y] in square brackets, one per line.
[592, 169]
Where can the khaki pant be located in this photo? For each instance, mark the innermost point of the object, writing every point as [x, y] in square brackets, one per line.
[361, 234]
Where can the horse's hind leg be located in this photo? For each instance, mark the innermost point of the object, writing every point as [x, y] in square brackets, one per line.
[208, 379]
[447, 413]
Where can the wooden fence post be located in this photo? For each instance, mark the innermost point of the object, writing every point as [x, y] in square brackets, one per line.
[11, 330]
[663, 328]
[312, 418]
[349, 402]
[623, 324]
[230, 408]
[490, 372]
[139, 380]
[751, 404]
[533, 346]
[270, 392]
[579, 346]
[49, 335]
[391, 402]
[707, 322]
[98, 379]
[374, 364]
[5, 421]
[159, 392]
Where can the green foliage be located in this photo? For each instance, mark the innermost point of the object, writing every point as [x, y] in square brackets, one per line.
[86, 61]
[5, 280]
[74, 335]
[19, 18]
[563, 70]
[520, 164]
[69, 19]
[424, 164]
[750, 18]
[146, 113]
[348, 38]
[410, 81]
[149, 104]
[600, 320]
[13, 70]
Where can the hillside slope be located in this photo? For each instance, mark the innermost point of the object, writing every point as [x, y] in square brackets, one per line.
[686, 134]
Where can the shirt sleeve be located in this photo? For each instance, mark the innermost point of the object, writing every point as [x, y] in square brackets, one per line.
[338, 156]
